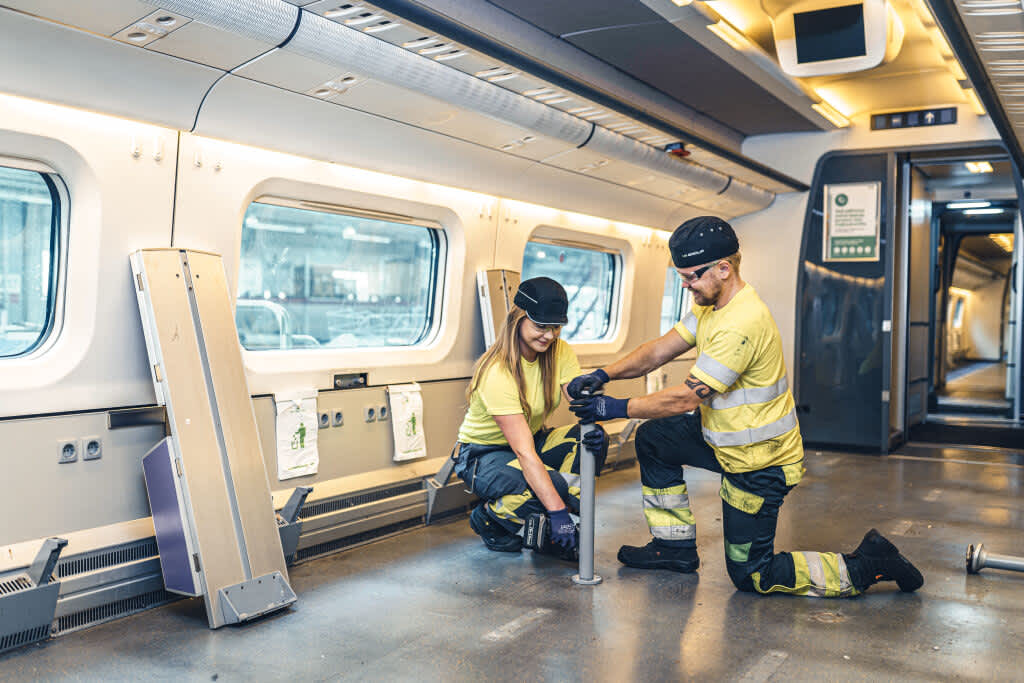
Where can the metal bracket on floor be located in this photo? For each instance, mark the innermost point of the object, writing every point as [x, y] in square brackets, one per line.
[435, 484]
[978, 558]
[255, 597]
[288, 523]
[28, 601]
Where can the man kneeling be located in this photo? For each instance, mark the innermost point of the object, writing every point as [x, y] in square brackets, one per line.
[746, 430]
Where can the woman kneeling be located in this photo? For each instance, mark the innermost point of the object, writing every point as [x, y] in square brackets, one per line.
[506, 455]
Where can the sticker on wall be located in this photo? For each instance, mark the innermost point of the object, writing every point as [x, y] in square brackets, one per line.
[407, 421]
[297, 454]
[851, 222]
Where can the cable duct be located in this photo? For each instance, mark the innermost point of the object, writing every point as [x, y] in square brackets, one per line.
[348, 49]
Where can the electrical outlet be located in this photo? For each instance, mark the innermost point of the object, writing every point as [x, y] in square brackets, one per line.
[370, 414]
[382, 413]
[67, 450]
[339, 419]
[324, 420]
[92, 448]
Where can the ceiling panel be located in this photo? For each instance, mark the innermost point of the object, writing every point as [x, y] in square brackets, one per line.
[674, 63]
[566, 17]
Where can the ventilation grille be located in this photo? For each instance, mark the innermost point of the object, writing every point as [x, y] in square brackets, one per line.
[18, 583]
[24, 638]
[1001, 41]
[990, 8]
[356, 539]
[113, 610]
[101, 559]
[324, 507]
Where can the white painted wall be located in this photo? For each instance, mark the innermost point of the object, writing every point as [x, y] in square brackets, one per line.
[982, 317]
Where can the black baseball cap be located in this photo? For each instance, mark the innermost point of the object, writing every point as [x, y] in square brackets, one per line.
[544, 301]
[702, 240]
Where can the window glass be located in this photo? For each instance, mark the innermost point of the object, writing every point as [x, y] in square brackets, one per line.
[28, 256]
[958, 313]
[313, 278]
[675, 303]
[590, 280]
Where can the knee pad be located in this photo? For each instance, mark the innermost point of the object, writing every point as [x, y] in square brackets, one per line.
[741, 578]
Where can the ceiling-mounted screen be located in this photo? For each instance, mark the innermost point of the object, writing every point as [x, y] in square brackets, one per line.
[826, 34]
[826, 37]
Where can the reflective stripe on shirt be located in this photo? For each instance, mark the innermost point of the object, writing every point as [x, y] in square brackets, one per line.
[749, 395]
[690, 323]
[717, 370]
[745, 437]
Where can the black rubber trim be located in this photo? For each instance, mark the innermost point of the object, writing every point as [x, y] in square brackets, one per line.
[206, 94]
[298, 20]
[460, 33]
[593, 127]
[722, 191]
[959, 38]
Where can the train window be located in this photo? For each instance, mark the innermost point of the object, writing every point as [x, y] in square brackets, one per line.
[29, 245]
[313, 275]
[675, 302]
[958, 313]
[590, 277]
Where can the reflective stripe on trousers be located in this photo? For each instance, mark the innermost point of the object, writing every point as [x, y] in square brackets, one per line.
[668, 513]
[818, 575]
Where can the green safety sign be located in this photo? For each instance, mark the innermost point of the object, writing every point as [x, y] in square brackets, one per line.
[851, 222]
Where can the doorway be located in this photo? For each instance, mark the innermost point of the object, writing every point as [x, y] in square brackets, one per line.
[972, 377]
[956, 294]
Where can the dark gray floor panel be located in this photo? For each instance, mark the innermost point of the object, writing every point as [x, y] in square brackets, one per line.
[434, 604]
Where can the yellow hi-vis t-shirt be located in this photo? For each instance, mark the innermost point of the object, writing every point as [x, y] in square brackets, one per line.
[497, 394]
[751, 422]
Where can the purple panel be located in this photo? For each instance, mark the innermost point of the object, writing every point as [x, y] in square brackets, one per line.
[167, 519]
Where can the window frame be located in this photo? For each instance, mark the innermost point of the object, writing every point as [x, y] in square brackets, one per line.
[685, 301]
[615, 314]
[60, 200]
[438, 269]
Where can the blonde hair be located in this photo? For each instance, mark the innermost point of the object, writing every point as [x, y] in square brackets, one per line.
[734, 261]
[505, 352]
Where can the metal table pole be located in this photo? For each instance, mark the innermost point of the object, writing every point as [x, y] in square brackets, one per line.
[978, 558]
[586, 576]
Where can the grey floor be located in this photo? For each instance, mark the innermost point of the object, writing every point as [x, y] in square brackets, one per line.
[434, 604]
[979, 383]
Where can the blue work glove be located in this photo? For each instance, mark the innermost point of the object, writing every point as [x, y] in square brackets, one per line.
[595, 408]
[595, 440]
[587, 384]
[563, 531]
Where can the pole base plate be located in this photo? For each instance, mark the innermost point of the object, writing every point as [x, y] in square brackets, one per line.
[580, 581]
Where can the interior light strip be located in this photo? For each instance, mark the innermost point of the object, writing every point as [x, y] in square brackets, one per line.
[829, 112]
[972, 99]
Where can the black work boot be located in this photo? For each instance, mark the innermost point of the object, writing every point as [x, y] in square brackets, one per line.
[495, 537]
[657, 556]
[876, 559]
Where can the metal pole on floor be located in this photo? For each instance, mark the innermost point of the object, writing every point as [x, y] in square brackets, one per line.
[978, 558]
[586, 576]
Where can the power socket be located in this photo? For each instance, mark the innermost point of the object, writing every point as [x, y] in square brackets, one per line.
[383, 413]
[92, 448]
[324, 420]
[370, 414]
[68, 450]
[339, 418]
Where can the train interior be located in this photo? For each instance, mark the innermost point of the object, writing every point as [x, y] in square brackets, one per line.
[250, 251]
